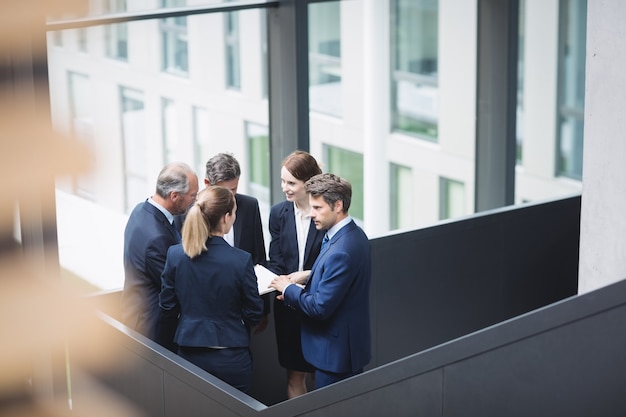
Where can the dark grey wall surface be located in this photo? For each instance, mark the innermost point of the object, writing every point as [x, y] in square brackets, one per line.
[430, 286]
[435, 284]
[566, 359]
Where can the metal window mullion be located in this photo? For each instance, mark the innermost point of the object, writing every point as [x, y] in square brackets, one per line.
[496, 103]
[288, 85]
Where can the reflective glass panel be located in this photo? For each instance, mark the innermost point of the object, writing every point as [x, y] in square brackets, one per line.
[416, 67]
[138, 117]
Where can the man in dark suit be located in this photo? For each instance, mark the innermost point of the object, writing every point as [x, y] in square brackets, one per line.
[148, 235]
[247, 232]
[335, 300]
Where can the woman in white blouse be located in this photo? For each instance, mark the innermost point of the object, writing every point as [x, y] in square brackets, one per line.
[294, 247]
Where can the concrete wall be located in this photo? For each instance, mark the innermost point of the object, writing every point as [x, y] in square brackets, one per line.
[603, 207]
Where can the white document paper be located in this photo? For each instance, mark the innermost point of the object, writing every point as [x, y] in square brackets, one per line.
[263, 278]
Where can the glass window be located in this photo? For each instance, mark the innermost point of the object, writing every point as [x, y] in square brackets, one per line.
[257, 137]
[116, 36]
[135, 144]
[233, 59]
[200, 139]
[259, 159]
[348, 165]
[415, 62]
[325, 58]
[117, 41]
[573, 15]
[169, 130]
[81, 115]
[400, 197]
[82, 40]
[150, 118]
[174, 37]
[264, 58]
[451, 198]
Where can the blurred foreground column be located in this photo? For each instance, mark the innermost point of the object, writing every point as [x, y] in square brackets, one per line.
[44, 328]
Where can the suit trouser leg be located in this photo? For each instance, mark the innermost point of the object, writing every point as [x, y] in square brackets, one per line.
[324, 378]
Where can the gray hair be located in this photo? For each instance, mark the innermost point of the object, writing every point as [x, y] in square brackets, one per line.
[174, 177]
[332, 188]
[222, 167]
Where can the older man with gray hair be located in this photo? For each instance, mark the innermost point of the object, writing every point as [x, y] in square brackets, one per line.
[149, 233]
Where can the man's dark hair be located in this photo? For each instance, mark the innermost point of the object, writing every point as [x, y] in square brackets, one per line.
[332, 188]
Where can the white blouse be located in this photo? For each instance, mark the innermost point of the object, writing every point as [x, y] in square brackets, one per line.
[303, 222]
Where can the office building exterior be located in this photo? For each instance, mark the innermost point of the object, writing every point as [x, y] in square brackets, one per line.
[392, 97]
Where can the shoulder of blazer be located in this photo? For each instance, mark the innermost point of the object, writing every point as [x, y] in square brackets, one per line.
[284, 208]
[176, 251]
[215, 241]
[154, 211]
[229, 251]
[147, 218]
[348, 228]
[246, 200]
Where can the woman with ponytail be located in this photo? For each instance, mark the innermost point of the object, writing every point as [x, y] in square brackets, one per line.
[212, 287]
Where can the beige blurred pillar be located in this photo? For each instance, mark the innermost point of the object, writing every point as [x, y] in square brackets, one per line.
[376, 116]
[31, 155]
[603, 215]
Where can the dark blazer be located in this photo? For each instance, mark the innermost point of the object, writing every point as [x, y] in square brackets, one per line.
[247, 226]
[216, 294]
[284, 246]
[335, 302]
[147, 237]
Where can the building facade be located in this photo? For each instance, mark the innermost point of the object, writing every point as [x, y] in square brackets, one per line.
[392, 97]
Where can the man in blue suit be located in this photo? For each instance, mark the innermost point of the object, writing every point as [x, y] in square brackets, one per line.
[335, 299]
[148, 235]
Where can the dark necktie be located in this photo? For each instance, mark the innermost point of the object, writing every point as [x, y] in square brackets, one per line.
[324, 242]
[176, 232]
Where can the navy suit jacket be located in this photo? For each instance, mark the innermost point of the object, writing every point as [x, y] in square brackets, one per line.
[284, 256]
[147, 237]
[216, 294]
[335, 302]
[248, 228]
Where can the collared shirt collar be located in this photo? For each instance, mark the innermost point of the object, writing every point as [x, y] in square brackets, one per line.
[300, 213]
[333, 230]
[170, 217]
[303, 222]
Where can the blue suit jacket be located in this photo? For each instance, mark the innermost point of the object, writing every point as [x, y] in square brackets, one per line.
[216, 294]
[335, 302]
[284, 255]
[147, 237]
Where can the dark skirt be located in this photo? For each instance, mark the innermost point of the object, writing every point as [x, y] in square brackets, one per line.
[231, 365]
[288, 340]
